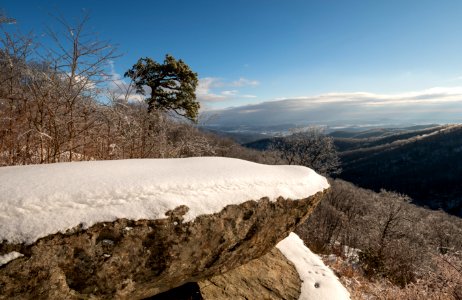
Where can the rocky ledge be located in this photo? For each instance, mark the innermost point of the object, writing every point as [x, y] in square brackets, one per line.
[128, 259]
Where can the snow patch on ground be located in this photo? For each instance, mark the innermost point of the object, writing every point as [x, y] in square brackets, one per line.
[6, 258]
[318, 281]
[38, 200]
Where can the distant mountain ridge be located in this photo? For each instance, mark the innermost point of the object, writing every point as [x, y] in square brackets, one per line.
[380, 132]
[427, 166]
[424, 162]
[382, 137]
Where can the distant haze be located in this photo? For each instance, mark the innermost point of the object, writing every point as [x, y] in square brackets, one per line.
[436, 105]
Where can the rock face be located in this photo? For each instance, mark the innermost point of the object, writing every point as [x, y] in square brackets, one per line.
[270, 277]
[129, 259]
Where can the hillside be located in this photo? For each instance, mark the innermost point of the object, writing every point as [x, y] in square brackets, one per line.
[237, 136]
[376, 132]
[363, 234]
[346, 140]
[424, 164]
[377, 137]
[263, 144]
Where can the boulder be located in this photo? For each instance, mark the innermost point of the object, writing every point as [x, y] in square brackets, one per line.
[290, 271]
[270, 277]
[127, 259]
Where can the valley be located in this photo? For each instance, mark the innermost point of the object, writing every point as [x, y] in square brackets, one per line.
[423, 162]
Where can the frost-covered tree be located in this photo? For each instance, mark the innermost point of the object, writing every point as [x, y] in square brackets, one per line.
[310, 148]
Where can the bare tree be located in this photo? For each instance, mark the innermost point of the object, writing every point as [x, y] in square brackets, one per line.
[4, 19]
[15, 49]
[80, 62]
[310, 148]
[49, 97]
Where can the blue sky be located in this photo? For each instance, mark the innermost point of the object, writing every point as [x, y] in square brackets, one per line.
[248, 52]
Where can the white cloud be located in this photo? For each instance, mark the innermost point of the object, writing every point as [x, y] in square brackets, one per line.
[244, 82]
[458, 78]
[434, 105]
[230, 93]
[84, 82]
[204, 90]
[208, 83]
[121, 89]
[436, 95]
[213, 89]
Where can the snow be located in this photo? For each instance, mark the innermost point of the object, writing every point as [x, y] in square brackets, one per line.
[318, 281]
[6, 258]
[38, 200]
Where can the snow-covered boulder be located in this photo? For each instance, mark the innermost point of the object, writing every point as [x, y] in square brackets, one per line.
[290, 271]
[135, 228]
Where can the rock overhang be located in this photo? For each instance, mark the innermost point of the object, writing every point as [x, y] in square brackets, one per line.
[39, 200]
[139, 257]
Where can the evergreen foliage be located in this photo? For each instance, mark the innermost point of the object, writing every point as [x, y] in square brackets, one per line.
[173, 85]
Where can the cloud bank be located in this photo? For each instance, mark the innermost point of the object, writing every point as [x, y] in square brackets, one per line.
[435, 105]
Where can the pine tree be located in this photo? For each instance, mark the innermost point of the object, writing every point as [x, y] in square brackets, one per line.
[173, 85]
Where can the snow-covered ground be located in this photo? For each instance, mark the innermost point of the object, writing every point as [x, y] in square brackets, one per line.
[39, 200]
[318, 281]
